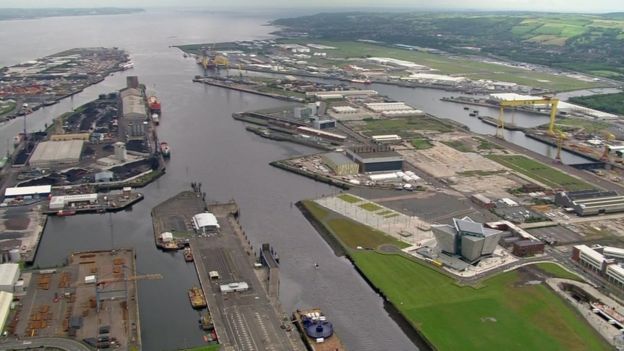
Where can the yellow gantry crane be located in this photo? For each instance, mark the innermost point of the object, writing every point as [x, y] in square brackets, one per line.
[553, 102]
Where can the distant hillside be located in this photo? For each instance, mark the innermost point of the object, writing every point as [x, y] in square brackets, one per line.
[587, 43]
[29, 13]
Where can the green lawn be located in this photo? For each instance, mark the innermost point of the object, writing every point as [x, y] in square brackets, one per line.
[6, 107]
[556, 271]
[486, 145]
[459, 146]
[540, 172]
[405, 127]
[454, 65]
[589, 125]
[351, 234]
[421, 143]
[349, 198]
[498, 316]
[371, 207]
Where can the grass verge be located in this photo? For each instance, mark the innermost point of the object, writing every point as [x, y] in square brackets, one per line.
[540, 172]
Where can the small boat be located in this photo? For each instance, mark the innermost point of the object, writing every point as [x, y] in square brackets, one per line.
[188, 254]
[466, 108]
[196, 295]
[471, 114]
[205, 321]
[165, 150]
[64, 213]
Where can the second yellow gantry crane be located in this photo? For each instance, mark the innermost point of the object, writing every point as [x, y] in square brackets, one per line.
[553, 102]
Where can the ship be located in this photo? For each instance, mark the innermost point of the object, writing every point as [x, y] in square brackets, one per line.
[188, 254]
[205, 321]
[64, 213]
[165, 150]
[155, 118]
[154, 105]
[127, 65]
[317, 332]
[196, 295]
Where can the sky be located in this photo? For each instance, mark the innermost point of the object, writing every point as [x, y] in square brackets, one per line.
[532, 5]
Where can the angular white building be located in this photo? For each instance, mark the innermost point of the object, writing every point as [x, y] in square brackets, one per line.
[467, 238]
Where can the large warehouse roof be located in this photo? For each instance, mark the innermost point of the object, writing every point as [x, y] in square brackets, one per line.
[8, 273]
[5, 307]
[133, 105]
[28, 190]
[57, 151]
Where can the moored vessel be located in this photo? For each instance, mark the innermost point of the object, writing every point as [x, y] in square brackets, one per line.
[165, 150]
[316, 331]
[196, 296]
[188, 254]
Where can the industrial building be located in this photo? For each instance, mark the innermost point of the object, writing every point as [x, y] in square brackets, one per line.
[205, 222]
[387, 139]
[104, 176]
[483, 201]
[466, 238]
[387, 106]
[9, 274]
[379, 158]
[38, 190]
[590, 202]
[332, 137]
[604, 261]
[324, 123]
[344, 109]
[525, 248]
[72, 136]
[63, 201]
[6, 299]
[340, 164]
[50, 154]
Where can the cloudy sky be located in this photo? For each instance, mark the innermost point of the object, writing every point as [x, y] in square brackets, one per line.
[533, 5]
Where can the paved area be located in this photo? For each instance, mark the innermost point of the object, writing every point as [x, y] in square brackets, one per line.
[59, 343]
[246, 320]
[21, 228]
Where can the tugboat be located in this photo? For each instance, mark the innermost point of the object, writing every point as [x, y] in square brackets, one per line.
[165, 150]
[188, 254]
[205, 321]
[196, 295]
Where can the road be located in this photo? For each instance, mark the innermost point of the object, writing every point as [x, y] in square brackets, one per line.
[31, 343]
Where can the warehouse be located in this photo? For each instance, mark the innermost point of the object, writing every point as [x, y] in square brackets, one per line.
[56, 154]
[61, 202]
[387, 139]
[376, 159]
[9, 274]
[6, 299]
[589, 258]
[590, 202]
[340, 164]
[324, 123]
[466, 238]
[205, 222]
[39, 190]
[387, 106]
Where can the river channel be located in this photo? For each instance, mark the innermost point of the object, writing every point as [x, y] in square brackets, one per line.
[210, 147]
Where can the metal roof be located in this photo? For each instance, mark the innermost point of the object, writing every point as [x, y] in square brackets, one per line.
[8, 273]
[338, 158]
[205, 219]
[5, 307]
[28, 190]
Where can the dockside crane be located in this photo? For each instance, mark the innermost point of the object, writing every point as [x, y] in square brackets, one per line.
[546, 100]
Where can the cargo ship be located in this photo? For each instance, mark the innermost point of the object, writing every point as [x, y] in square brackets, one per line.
[316, 331]
[154, 105]
[196, 295]
[165, 150]
[188, 254]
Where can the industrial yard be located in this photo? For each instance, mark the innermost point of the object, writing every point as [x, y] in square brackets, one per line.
[30, 85]
[92, 299]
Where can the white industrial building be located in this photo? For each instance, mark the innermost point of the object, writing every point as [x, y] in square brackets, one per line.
[344, 109]
[435, 78]
[234, 287]
[60, 202]
[9, 274]
[6, 298]
[39, 190]
[387, 106]
[56, 153]
[205, 222]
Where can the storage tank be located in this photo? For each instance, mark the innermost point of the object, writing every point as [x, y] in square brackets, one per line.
[15, 255]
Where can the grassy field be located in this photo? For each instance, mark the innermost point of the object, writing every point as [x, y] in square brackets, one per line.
[501, 315]
[454, 65]
[556, 271]
[421, 143]
[459, 146]
[6, 107]
[351, 234]
[540, 172]
[349, 198]
[405, 127]
[613, 103]
[203, 348]
[370, 207]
